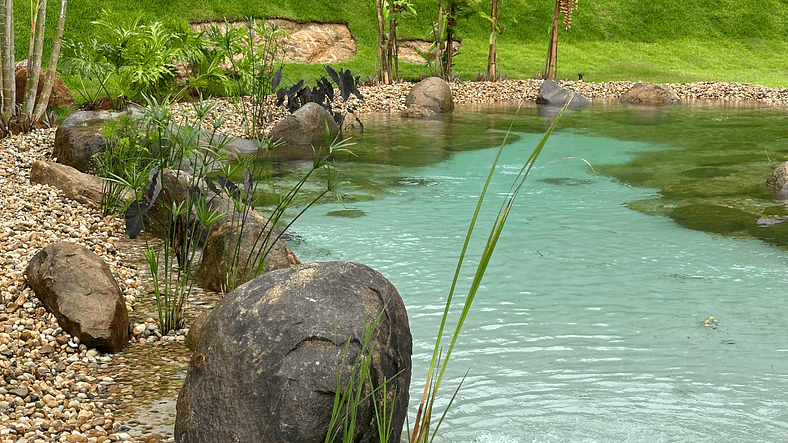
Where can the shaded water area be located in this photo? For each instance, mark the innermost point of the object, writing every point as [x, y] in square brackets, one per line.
[592, 324]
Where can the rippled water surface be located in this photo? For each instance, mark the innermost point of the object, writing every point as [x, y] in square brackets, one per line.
[590, 323]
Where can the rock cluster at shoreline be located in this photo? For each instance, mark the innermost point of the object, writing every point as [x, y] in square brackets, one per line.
[54, 389]
[391, 98]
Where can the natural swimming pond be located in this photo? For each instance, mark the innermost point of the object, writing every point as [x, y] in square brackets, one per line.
[590, 323]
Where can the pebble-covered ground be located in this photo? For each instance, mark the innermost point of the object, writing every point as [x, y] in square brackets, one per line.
[53, 389]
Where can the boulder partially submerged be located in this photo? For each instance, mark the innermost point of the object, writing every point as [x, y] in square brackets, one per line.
[649, 94]
[552, 94]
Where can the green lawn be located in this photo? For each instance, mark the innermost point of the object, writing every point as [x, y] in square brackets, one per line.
[650, 40]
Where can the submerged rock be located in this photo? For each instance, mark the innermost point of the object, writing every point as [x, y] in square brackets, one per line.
[304, 128]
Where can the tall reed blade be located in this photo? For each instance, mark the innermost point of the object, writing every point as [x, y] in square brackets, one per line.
[421, 429]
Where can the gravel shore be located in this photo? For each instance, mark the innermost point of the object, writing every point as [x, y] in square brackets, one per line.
[391, 98]
[53, 388]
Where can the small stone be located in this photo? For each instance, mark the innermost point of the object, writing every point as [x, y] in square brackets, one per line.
[20, 392]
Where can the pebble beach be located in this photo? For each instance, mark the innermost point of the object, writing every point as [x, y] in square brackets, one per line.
[54, 389]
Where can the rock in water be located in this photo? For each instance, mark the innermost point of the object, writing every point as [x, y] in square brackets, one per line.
[552, 94]
[257, 234]
[649, 93]
[301, 130]
[265, 367]
[778, 182]
[433, 94]
[77, 287]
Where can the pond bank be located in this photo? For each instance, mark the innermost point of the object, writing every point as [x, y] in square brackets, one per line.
[53, 389]
[391, 98]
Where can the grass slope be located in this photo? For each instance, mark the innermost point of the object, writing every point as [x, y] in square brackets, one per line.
[650, 40]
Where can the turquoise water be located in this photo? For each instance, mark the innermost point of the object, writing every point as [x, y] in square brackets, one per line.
[589, 325]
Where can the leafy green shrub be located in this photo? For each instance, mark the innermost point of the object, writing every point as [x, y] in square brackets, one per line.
[186, 224]
[125, 160]
[251, 52]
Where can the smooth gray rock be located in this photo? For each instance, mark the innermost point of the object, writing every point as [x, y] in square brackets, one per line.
[77, 287]
[552, 94]
[265, 367]
[304, 128]
[432, 94]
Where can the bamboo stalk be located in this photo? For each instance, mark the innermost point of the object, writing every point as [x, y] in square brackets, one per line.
[492, 72]
[552, 49]
[49, 80]
[385, 73]
[9, 74]
[34, 64]
[2, 58]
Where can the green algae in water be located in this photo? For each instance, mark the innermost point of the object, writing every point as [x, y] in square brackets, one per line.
[348, 213]
[709, 165]
[712, 218]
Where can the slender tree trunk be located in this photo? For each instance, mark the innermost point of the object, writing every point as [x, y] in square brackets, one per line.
[552, 49]
[439, 41]
[492, 73]
[2, 58]
[449, 40]
[34, 65]
[392, 42]
[49, 80]
[9, 74]
[385, 72]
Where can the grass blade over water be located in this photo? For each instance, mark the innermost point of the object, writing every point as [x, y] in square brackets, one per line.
[421, 429]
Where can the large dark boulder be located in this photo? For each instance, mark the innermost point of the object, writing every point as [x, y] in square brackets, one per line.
[552, 94]
[302, 130]
[79, 137]
[77, 287]
[265, 367]
[649, 93]
[432, 94]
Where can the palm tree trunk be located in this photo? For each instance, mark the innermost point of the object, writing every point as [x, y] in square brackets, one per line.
[49, 80]
[449, 40]
[2, 58]
[34, 64]
[392, 43]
